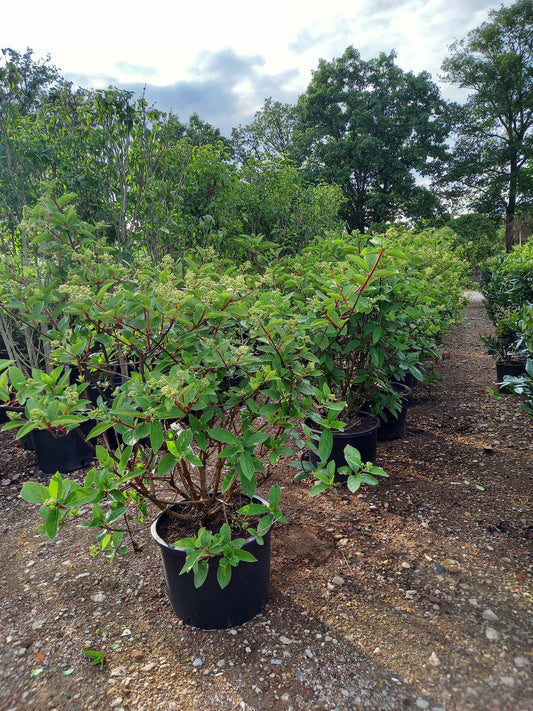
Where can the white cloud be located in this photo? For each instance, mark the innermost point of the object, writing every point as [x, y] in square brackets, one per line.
[170, 43]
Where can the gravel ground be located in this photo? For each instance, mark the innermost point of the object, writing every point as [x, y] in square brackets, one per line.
[415, 594]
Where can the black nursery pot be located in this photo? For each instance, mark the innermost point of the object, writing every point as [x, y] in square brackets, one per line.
[63, 454]
[513, 368]
[210, 606]
[364, 439]
[394, 426]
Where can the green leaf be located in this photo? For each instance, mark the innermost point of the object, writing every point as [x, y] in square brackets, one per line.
[200, 573]
[354, 483]
[98, 429]
[156, 435]
[325, 445]
[81, 496]
[184, 439]
[221, 435]
[256, 438]
[124, 459]
[319, 488]
[252, 510]
[223, 573]
[55, 486]
[17, 378]
[34, 492]
[247, 465]
[167, 463]
[51, 523]
[353, 458]
[274, 495]
[201, 441]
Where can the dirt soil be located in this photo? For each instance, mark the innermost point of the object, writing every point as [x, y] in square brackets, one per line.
[415, 594]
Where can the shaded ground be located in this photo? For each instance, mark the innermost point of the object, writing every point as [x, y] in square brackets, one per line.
[415, 594]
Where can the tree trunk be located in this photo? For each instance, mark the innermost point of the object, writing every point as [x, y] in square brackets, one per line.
[511, 206]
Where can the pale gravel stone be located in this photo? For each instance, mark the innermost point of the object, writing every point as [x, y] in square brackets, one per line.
[434, 660]
[521, 662]
[491, 633]
[490, 615]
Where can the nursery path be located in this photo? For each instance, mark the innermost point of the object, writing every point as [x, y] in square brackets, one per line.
[415, 594]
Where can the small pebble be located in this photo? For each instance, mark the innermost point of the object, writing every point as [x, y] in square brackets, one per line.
[490, 616]
[434, 660]
[197, 662]
[491, 633]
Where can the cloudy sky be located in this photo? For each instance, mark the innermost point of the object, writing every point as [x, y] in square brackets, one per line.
[222, 58]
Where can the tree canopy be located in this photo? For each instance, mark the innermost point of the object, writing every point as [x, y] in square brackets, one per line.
[494, 149]
[371, 127]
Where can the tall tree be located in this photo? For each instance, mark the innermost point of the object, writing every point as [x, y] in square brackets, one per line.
[24, 154]
[268, 135]
[495, 140]
[370, 128]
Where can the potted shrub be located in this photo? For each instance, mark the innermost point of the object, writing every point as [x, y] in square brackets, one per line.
[507, 345]
[53, 412]
[372, 317]
[201, 371]
[347, 294]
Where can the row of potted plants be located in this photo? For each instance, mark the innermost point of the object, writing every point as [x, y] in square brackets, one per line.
[190, 380]
[508, 291]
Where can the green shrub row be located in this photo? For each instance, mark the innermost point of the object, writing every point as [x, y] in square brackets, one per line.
[201, 368]
[508, 291]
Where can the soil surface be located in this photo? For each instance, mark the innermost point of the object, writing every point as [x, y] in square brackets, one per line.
[414, 594]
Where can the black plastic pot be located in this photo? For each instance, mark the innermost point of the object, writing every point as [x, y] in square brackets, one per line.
[513, 368]
[63, 454]
[409, 380]
[209, 606]
[394, 426]
[365, 440]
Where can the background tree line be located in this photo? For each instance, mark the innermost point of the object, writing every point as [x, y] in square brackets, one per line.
[366, 145]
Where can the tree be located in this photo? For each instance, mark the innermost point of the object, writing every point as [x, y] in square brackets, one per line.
[495, 141]
[270, 134]
[24, 153]
[370, 127]
[201, 133]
